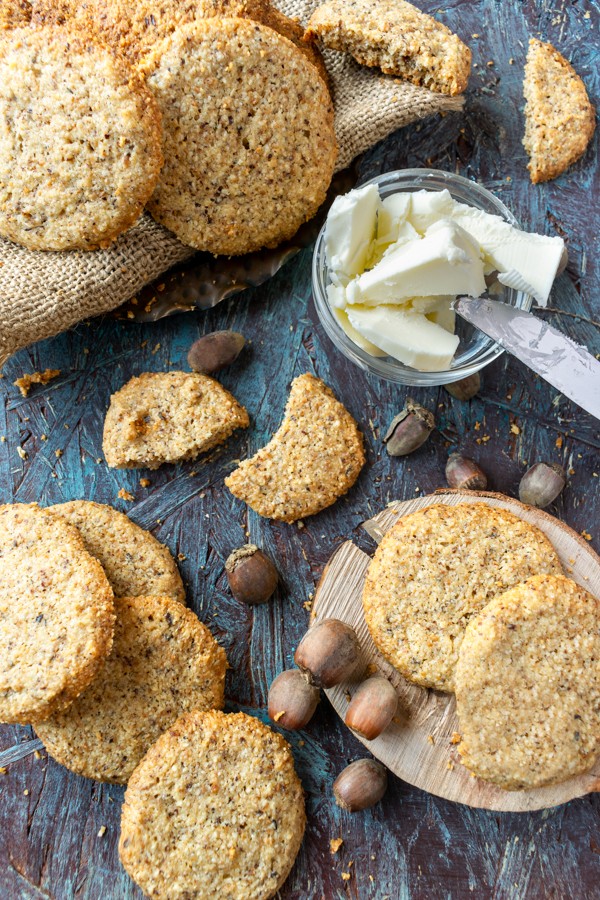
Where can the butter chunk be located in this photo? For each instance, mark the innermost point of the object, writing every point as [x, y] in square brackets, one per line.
[350, 232]
[407, 336]
[343, 321]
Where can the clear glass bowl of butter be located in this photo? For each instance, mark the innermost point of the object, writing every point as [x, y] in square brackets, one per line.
[429, 335]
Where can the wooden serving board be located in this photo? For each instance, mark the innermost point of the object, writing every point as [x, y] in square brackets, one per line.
[418, 745]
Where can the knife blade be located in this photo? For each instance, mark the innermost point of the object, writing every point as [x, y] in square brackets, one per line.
[564, 364]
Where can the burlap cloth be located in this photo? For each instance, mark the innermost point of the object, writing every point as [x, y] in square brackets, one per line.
[42, 294]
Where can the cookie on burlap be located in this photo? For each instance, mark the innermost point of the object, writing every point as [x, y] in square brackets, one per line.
[314, 457]
[135, 563]
[14, 13]
[56, 614]
[81, 152]
[161, 417]
[434, 571]
[528, 685]
[249, 142]
[164, 662]
[215, 809]
[398, 38]
[559, 118]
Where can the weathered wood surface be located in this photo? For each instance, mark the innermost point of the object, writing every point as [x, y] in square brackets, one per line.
[412, 845]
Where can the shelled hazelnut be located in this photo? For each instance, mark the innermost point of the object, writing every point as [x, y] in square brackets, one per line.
[466, 388]
[541, 484]
[215, 351]
[360, 785]
[251, 575]
[372, 707]
[292, 700]
[464, 474]
[328, 653]
[409, 429]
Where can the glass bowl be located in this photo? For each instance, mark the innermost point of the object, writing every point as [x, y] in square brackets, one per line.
[475, 349]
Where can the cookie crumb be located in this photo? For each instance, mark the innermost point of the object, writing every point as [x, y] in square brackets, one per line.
[102, 831]
[144, 482]
[335, 844]
[22, 453]
[125, 495]
[455, 739]
[25, 382]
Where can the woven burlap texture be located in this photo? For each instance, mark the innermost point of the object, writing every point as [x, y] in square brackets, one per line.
[44, 293]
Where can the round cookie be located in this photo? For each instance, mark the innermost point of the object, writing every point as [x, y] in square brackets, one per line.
[135, 563]
[215, 809]
[56, 614]
[434, 571]
[249, 142]
[528, 685]
[164, 662]
[82, 151]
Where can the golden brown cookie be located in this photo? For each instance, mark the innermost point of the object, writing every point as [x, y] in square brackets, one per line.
[164, 662]
[82, 151]
[215, 809]
[135, 563]
[315, 456]
[559, 118]
[528, 685]
[434, 571]
[162, 417]
[14, 13]
[56, 614]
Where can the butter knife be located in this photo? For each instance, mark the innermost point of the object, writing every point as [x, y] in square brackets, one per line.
[559, 360]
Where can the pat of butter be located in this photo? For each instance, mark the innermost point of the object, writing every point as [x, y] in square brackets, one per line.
[407, 336]
[344, 322]
[350, 231]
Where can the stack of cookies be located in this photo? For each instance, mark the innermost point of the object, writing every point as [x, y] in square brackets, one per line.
[472, 600]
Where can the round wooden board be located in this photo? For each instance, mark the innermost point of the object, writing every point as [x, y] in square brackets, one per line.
[418, 746]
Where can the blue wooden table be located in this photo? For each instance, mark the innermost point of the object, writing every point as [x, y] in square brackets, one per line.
[58, 832]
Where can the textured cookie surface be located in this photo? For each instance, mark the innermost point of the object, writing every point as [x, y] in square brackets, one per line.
[164, 662]
[314, 457]
[434, 571]
[163, 417]
[82, 151]
[14, 13]
[398, 38]
[528, 685]
[215, 809]
[249, 157]
[135, 563]
[56, 614]
[559, 118]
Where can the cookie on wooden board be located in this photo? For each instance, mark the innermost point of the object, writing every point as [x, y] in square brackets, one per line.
[559, 118]
[82, 151]
[160, 417]
[249, 142]
[164, 662]
[435, 570]
[528, 685]
[396, 37]
[14, 13]
[215, 809]
[135, 563]
[56, 614]
[314, 457]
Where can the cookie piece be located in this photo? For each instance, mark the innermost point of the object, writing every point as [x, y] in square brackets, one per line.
[56, 614]
[215, 809]
[314, 457]
[14, 13]
[164, 662]
[162, 417]
[135, 563]
[64, 12]
[398, 38]
[434, 571]
[528, 685]
[559, 118]
[82, 151]
[249, 141]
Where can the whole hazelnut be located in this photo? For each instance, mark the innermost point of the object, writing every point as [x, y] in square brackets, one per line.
[215, 351]
[361, 784]
[464, 474]
[372, 707]
[292, 700]
[409, 429]
[541, 484]
[251, 575]
[466, 388]
[329, 652]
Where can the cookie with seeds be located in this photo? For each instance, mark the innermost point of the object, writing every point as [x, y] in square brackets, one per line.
[14, 13]
[249, 157]
[161, 417]
[82, 151]
[135, 563]
[56, 614]
[528, 685]
[313, 459]
[559, 118]
[435, 570]
[215, 809]
[396, 37]
[164, 663]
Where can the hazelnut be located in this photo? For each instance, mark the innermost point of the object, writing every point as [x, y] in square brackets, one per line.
[466, 388]
[215, 351]
[292, 700]
[541, 484]
[372, 708]
[361, 784]
[464, 474]
[251, 575]
[328, 653]
[409, 429]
